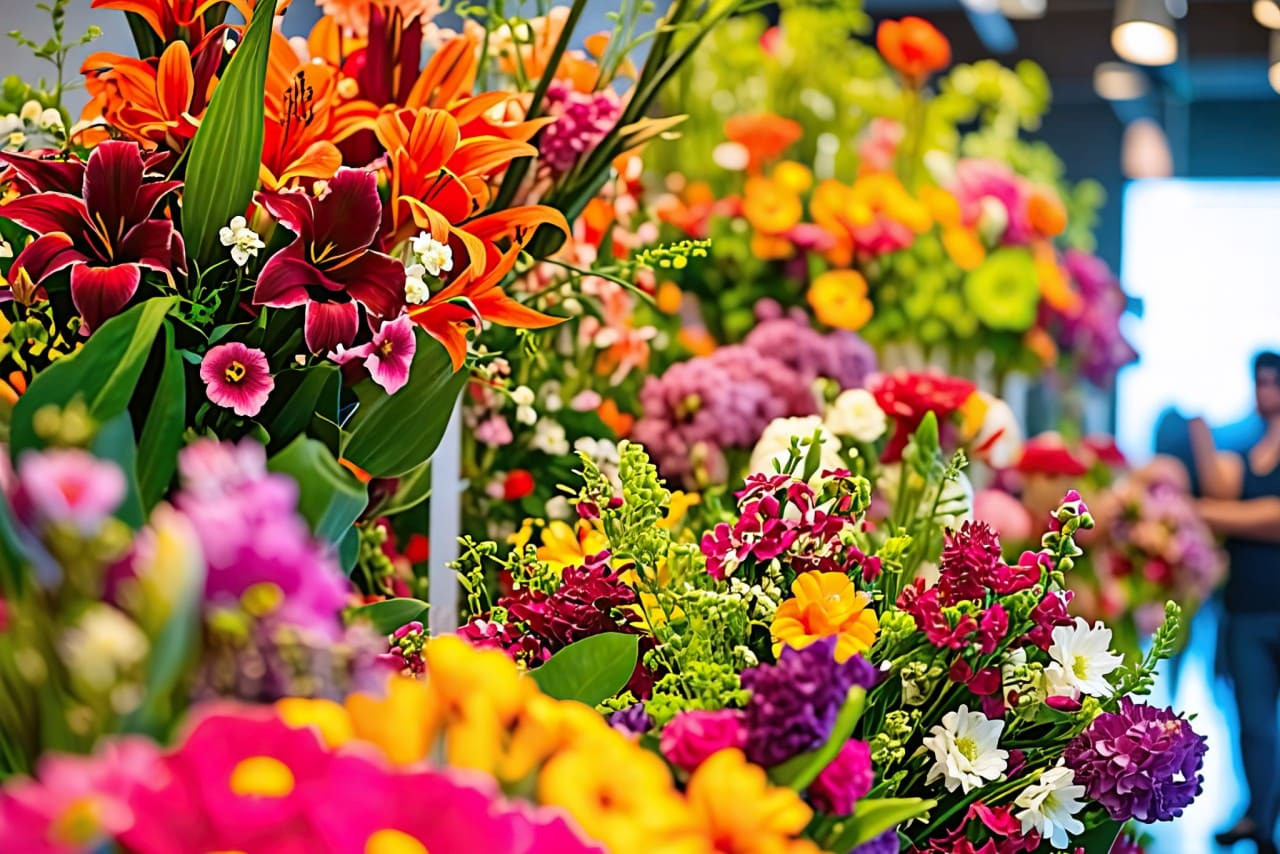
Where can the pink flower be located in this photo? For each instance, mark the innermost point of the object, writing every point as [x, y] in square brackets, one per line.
[387, 357]
[1003, 512]
[586, 400]
[237, 377]
[67, 485]
[494, 431]
[691, 737]
[847, 778]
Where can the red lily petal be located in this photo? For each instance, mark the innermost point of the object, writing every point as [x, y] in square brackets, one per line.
[374, 279]
[112, 179]
[347, 216]
[99, 293]
[42, 175]
[329, 324]
[45, 256]
[285, 278]
[294, 209]
[150, 244]
[48, 212]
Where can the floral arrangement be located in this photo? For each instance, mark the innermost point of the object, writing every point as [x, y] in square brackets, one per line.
[970, 710]
[950, 246]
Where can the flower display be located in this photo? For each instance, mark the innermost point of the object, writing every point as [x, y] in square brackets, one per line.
[237, 377]
[1050, 804]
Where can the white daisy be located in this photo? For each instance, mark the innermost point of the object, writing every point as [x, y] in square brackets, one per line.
[242, 239]
[1049, 806]
[1081, 659]
[965, 750]
[435, 256]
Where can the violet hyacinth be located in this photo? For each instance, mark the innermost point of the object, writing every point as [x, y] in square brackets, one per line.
[633, 720]
[1140, 762]
[885, 843]
[582, 120]
[794, 703]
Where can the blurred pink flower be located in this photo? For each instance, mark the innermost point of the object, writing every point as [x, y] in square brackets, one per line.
[66, 485]
[1005, 513]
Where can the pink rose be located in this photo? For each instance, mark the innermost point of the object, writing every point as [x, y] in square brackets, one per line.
[693, 736]
[846, 778]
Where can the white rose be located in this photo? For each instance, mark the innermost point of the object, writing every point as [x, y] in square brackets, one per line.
[856, 414]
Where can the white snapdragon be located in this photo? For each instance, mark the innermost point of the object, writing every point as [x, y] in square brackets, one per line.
[416, 291]
[243, 241]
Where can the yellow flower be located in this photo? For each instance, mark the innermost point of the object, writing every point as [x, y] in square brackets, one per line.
[795, 176]
[770, 206]
[973, 413]
[839, 299]
[669, 297]
[563, 545]
[825, 604]
[1055, 287]
[739, 811]
[964, 248]
[943, 206]
[677, 508]
[330, 720]
[403, 724]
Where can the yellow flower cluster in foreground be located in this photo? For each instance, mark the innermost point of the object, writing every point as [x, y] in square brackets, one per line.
[475, 710]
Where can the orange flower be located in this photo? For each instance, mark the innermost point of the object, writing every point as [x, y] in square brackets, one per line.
[769, 206]
[825, 604]
[353, 15]
[741, 812]
[1046, 213]
[614, 418]
[1041, 343]
[669, 297]
[690, 211]
[1055, 286]
[839, 298]
[174, 19]
[914, 47]
[696, 340]
[156, 102]
[964, 248]
[764, 136]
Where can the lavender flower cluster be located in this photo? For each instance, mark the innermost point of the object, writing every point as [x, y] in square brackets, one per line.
[582, 121]
[1092, 334]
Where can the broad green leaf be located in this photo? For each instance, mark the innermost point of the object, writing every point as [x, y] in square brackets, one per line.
[873, 817]
[162, 429]
[590, 670]
[413, 489]
[396, 433]
[391, 614]
[224, 155]
[104, 372]
[329, 497]
[294, 401]
[114, 442]
[799, 771]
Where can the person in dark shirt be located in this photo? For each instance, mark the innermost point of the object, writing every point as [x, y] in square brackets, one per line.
[1242, 503]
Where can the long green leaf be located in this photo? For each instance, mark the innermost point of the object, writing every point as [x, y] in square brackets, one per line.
[392, 614]
[162, 430]
[1098, 840]
[104, 372]
[329, 498]
[591, 670]
[799, 771]
[114, 442]
[874, 817]
[396, 433]
[294, 401]
[223, 160]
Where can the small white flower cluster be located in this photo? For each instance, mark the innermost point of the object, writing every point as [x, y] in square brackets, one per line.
[33, 126]
[429, 257]
[604, 453]
[762, 598]
[243, 240]
[549, 437]
[522, 397]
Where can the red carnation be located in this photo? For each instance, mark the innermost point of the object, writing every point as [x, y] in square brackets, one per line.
[906, 397]
[1048, 456]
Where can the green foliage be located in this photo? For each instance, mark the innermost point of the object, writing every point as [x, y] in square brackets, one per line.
[590, 670]
[329, 496]
[223, 158]
[53, 50]
[162, 426]
[391, 614]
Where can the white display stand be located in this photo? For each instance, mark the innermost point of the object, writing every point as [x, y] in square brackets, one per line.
[446, 524]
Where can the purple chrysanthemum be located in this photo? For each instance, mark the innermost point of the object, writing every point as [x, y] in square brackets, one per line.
[633, 720]
[794, 703]
[840, 355]
[885, 843]
[1140, 762]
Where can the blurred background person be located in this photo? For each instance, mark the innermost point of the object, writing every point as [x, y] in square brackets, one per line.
[1241, 502]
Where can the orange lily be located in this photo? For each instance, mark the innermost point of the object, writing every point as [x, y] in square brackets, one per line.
[174, 19]
[153, 101]
[305, 118]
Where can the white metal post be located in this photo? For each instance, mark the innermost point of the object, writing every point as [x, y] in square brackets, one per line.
[446, 525]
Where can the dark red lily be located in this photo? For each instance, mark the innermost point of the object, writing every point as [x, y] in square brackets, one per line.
[106, 235]
[330, 267]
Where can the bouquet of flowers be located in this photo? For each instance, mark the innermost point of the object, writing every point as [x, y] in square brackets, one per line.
[970, 711]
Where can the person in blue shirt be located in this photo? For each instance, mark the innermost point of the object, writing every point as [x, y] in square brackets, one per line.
[1242, 504]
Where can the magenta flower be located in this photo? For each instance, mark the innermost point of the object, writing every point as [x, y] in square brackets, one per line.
[106, 236]
[67, 485]
[693, 736]
[845, 780]
[237, 377]
[330, 267]
[387, 357]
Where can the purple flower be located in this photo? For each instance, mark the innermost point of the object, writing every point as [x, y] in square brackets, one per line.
[1140, 762]
[794, 703]
[68, 486]
[693, 736]
[633, 720]
[252, 537]
[845, 780]
[237, 377]
[387, 357]
[885, 843]
[841, 355]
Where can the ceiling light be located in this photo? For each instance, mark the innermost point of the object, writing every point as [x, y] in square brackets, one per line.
[1267, 13]
[1144, 151]
[1117, 81]
[1144, 32]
